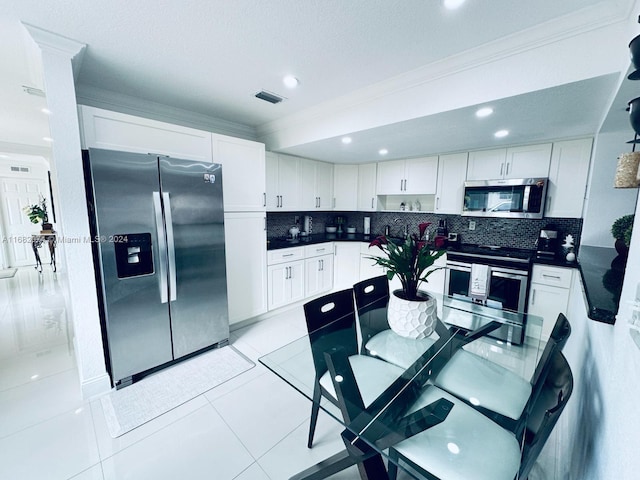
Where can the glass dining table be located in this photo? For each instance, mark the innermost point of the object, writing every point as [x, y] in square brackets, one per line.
[464, 329]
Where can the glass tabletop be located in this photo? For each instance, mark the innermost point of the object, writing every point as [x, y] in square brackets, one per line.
[472, 360]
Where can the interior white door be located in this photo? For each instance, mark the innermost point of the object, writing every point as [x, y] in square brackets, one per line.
[16, 194]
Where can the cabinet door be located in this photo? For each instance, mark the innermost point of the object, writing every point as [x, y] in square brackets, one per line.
[367, 200]
[421, 176]
[278, 285]
[288, 178]
[324, 185]
[452, 171]
[127, 133]
[243, 173]
[246, 258]
[296, 281]
[307, 184]
[568, 176]
[528, 162]
[273, 194]
[345, 187]
[547, 302]
[346, 264]
[319, 275]
[390, 178]
[486, 164]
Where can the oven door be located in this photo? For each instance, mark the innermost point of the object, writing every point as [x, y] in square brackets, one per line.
[507, 291]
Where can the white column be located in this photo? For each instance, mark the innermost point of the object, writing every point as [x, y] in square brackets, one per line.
[76, 269]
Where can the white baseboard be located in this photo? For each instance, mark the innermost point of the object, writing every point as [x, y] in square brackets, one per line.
[95, 387]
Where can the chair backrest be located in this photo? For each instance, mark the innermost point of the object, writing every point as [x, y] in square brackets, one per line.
[372, 296]
[557, 340]
[544, 414]
[331, 322]
[561, 331]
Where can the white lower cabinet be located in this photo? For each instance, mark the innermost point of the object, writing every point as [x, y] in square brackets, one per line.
[319, 275]
[246, 259]
[286, 283]
[549, 294]
[346, 264]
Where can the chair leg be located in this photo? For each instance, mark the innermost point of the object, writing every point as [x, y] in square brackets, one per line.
[392, 466]
[315, 409]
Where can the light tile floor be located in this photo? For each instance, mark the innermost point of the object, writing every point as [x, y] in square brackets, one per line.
[253, 427]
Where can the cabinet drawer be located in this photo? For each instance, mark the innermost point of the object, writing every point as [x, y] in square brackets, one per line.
[285, 255]
[555, 276]
[318, 249]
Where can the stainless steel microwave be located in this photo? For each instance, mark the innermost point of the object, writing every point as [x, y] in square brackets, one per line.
[508, 198]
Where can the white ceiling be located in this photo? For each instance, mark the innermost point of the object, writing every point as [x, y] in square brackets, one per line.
[210, 57]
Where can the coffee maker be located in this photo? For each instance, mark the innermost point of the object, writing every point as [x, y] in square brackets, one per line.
[547, 243]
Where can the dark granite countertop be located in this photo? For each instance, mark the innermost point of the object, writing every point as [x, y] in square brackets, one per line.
[556, 261]
[602, 273]
[277, 243]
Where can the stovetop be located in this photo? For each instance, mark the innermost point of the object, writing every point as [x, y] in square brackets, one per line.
[469, 252]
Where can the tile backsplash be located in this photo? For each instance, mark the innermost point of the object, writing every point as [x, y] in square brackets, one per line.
[504, 232]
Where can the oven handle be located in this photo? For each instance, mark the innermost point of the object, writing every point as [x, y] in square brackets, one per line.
[499, 271]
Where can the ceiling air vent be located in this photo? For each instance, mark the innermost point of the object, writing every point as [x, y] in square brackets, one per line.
[269, 97]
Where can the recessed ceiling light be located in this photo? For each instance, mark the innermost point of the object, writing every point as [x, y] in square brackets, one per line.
[383, 151]
[290, 81]
[484, 112]
[501, 133]
[46, 111]
[453, 4]
[346, 140]
[47, 139]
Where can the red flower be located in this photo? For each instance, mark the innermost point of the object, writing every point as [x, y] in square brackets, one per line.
[423, 228]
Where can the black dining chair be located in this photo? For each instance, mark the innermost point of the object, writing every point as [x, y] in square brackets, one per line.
[378, 340]
[331, 323]
[494, 390]
[469, 445]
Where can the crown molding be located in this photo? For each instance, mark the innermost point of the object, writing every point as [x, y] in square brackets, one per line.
[24, 149]
[59, 45]
[569, 26]
[122, 103]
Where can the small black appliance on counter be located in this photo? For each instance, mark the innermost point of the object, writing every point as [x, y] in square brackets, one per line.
[547, 244]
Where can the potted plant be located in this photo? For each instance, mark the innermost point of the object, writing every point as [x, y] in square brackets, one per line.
[38, 213]
[621, 231]
[411, 312]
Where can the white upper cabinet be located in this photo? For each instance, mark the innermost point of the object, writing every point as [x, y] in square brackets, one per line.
[517, 162]
[345, 187]
[452, 170]
[283, 191]
[367, 199]
[127, 133]
[243, 173]
[316, 185]
[568, 178]
[411, 176]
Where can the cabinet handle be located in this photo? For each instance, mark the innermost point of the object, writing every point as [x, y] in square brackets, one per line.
[320, 249]
[371, 203]
[319, 265]
[557, 277]
[287, 255]
[437, 203]
[501, 168]
[264, 199]
[533, 297]
[265, 224]
[281, 202]
[547, 206]
[507, 172]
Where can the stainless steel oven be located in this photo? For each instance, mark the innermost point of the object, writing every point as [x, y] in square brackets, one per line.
[507, 286]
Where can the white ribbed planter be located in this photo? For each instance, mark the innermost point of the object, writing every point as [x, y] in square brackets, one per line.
[412, 318]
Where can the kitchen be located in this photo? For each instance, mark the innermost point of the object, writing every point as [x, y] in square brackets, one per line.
[608, 145]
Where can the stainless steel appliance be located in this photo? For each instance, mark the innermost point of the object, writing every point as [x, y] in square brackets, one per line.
[547, 244]
[507, 282]
[159, 255]
[509, 198]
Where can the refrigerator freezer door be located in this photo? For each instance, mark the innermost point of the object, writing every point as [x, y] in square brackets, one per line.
[137, 323]
[192, 198]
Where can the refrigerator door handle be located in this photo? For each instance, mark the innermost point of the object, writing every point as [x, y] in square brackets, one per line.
[162, 248]
[170, 247]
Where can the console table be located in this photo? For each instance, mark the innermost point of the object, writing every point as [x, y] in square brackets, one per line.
[37, 241]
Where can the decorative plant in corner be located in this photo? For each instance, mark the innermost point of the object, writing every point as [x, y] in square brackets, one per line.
[37, 212]
[411, 312]
[621, 231]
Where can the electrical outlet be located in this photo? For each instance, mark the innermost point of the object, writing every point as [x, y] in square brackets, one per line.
[472, 225]
[297, 219]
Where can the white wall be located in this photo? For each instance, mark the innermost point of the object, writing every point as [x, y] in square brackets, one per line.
[604, 203]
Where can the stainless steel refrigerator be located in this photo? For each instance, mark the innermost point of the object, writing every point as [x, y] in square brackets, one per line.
[158, 229]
